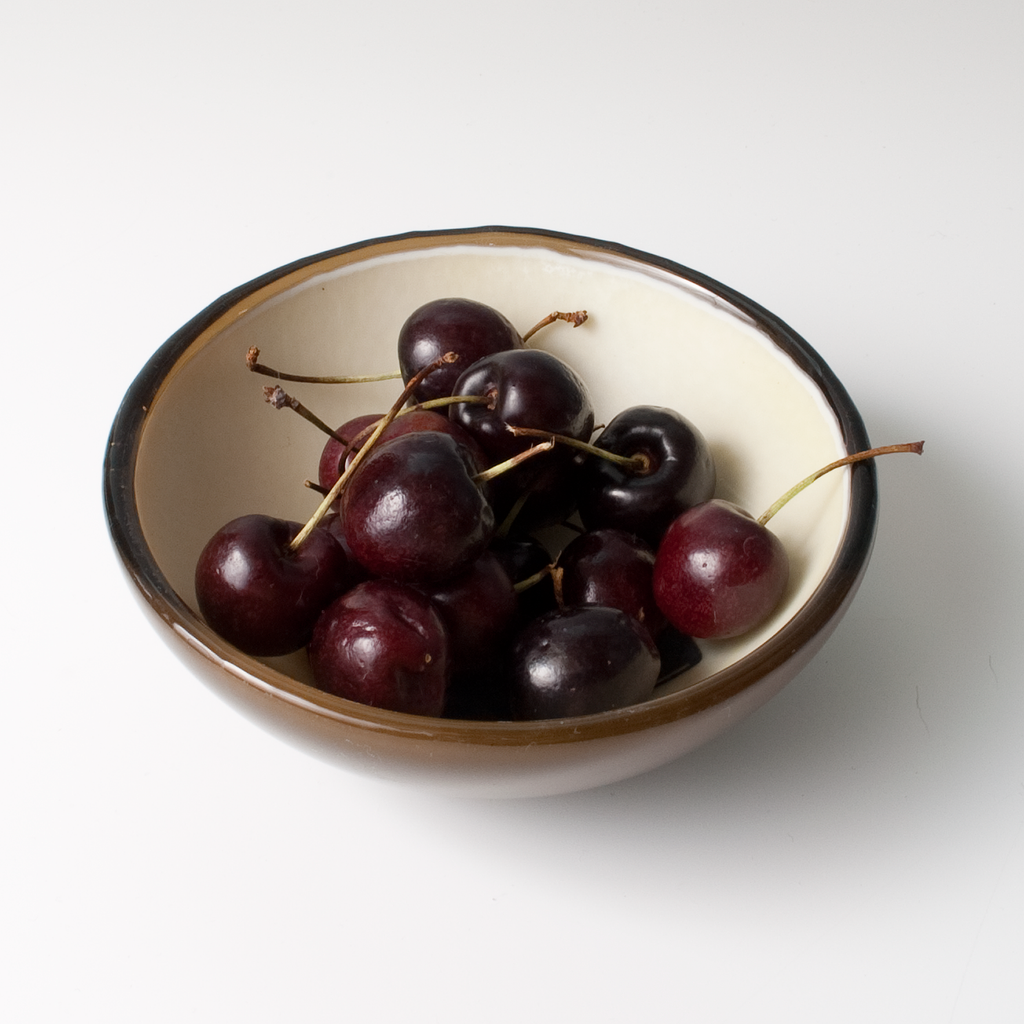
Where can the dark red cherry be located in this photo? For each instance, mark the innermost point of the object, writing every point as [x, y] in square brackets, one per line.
[478, 609]
[581, 661]
[336, 456]
[612, 568]
[528, 388]
[335, 526]
[678, 472]
[533, 389]
[413, 511]
[718, 572]
[468, 328]
[382, 644]
[259, 594]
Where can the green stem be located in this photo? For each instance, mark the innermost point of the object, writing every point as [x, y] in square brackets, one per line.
[252, 357]
[915, 447]
[504, 467]
[532, 581]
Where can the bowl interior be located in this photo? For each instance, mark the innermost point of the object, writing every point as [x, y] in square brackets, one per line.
[211, 449]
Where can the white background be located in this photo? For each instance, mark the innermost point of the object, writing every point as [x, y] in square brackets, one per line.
[854, 851]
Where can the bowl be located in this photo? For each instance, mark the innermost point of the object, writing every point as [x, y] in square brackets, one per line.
[194, 445]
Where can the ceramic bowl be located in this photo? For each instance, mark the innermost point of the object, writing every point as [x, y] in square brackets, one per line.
[194, 445]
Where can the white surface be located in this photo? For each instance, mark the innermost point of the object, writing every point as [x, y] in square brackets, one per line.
[855, 851]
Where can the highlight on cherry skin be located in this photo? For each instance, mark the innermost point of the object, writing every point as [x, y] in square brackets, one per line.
[419, 583]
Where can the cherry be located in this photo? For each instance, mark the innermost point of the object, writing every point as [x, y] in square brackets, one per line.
[468, 328]
[259, 593]
[719, 572]
[335, 526]
[382, 644]
[528, 388]
[336, 454]
[581, 661]
[413, 510]
[612, 568]
[337, 449]
[673, 470]
[478, 609]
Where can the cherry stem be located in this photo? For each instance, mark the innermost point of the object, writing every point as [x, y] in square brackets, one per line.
[280, 399]
[332, 495]
[532, 581]
[252, 357]
[505, 528]
[557, 572]
[639, 463]
[575, 319]
[432, 403]
[504, 467]
[440, 403]
[914, 447]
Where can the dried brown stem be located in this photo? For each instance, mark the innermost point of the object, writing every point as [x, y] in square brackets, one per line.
[639, 463]
[575, 319]
[276, 396]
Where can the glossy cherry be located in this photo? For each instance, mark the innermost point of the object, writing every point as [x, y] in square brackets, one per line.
[612, 568]
[336, 456]
[528, 388]
[468, 328]
[676, 470]
[335, 453]
[719, 572]
[412, 510]
[534, 389]
[581, 661]
[258, 593]
[478, 608]
[382, 644]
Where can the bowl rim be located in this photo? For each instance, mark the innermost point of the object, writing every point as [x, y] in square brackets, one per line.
[826, 602]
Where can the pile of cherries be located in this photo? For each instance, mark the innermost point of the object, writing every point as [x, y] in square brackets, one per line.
[420, 585]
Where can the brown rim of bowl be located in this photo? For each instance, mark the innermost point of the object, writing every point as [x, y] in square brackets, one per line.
[825, 602]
